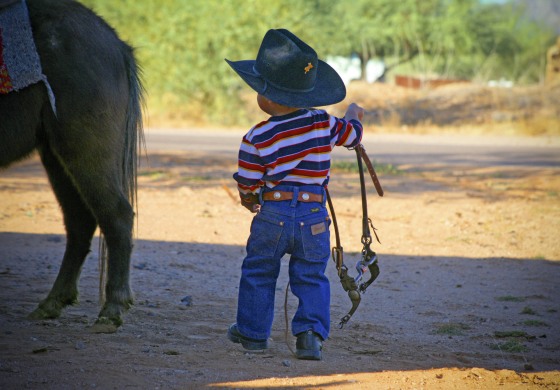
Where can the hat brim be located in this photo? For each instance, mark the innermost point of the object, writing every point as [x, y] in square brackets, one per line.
[329, 87]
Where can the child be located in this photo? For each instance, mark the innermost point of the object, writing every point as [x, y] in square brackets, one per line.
[284, 165]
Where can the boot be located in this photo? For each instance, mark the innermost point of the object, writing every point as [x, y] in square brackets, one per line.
[309, 345]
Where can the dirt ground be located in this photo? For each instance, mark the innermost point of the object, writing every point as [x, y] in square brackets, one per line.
[467, 298]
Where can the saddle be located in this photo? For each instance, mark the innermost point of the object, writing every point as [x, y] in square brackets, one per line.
[20, 65]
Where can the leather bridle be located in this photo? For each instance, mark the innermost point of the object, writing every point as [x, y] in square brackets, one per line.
[369, 260]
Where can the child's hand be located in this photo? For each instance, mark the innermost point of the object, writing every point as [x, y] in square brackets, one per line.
[354, 112]
[250, 202]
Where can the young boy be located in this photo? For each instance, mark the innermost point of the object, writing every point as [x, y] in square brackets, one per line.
[284, 165]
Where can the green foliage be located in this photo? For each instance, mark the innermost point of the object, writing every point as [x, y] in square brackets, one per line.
[452, 329]
[181, 44]
[535, 323]
[510, 298]
[528, 310]
[511, 333]
[512, 346]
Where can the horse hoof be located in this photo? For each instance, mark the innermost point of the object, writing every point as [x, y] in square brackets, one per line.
[42, 314]
[104, 325]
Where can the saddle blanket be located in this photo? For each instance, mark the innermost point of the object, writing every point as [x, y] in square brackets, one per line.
[20, 65]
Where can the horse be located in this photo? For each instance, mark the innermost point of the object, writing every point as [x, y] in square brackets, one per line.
[89, 145]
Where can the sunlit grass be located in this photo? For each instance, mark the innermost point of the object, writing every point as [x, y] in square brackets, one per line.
[352, 167]
[154, 174]
[196, 178]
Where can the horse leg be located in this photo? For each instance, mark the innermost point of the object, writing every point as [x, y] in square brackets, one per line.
[80, 227]
[98, 181]
[116, 220]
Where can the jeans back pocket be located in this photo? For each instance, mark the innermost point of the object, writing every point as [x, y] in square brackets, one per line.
[266, 232]
[315, 237]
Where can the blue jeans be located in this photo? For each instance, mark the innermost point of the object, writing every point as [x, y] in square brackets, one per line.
[302, 230]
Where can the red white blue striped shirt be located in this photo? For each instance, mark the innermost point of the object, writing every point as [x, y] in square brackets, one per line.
[293, 149]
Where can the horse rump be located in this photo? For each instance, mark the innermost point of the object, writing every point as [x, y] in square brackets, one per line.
[88, 146]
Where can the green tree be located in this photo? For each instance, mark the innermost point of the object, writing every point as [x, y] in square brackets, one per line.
[181, 44]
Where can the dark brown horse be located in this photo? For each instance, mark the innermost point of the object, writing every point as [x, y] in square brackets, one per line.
[89, 148]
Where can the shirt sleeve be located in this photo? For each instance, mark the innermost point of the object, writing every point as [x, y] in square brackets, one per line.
[345, 133]
[250, 169]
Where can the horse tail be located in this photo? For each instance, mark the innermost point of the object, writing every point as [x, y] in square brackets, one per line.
[134, 133]
[133, 142]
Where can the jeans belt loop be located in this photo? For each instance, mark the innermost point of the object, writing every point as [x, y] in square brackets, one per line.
[295, 197]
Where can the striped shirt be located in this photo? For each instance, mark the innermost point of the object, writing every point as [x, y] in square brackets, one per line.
[294, 149]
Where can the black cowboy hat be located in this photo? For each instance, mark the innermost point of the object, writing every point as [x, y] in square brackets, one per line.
[288, 72]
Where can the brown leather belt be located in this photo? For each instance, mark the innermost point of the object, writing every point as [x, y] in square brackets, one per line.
[286, 195]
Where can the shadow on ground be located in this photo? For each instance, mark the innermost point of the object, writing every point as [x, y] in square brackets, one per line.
[423, 312]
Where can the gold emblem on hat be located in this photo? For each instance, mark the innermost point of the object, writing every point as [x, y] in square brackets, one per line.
[308, 67]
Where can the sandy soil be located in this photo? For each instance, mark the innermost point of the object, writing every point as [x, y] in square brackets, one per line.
[468, 296]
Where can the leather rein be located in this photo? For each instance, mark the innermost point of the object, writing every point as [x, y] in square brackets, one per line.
[368, 261]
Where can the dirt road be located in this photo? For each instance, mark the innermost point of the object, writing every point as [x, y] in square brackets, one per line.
[467, 296]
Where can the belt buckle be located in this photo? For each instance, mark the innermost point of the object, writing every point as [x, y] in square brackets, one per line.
[305, 196]
[276, 195]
